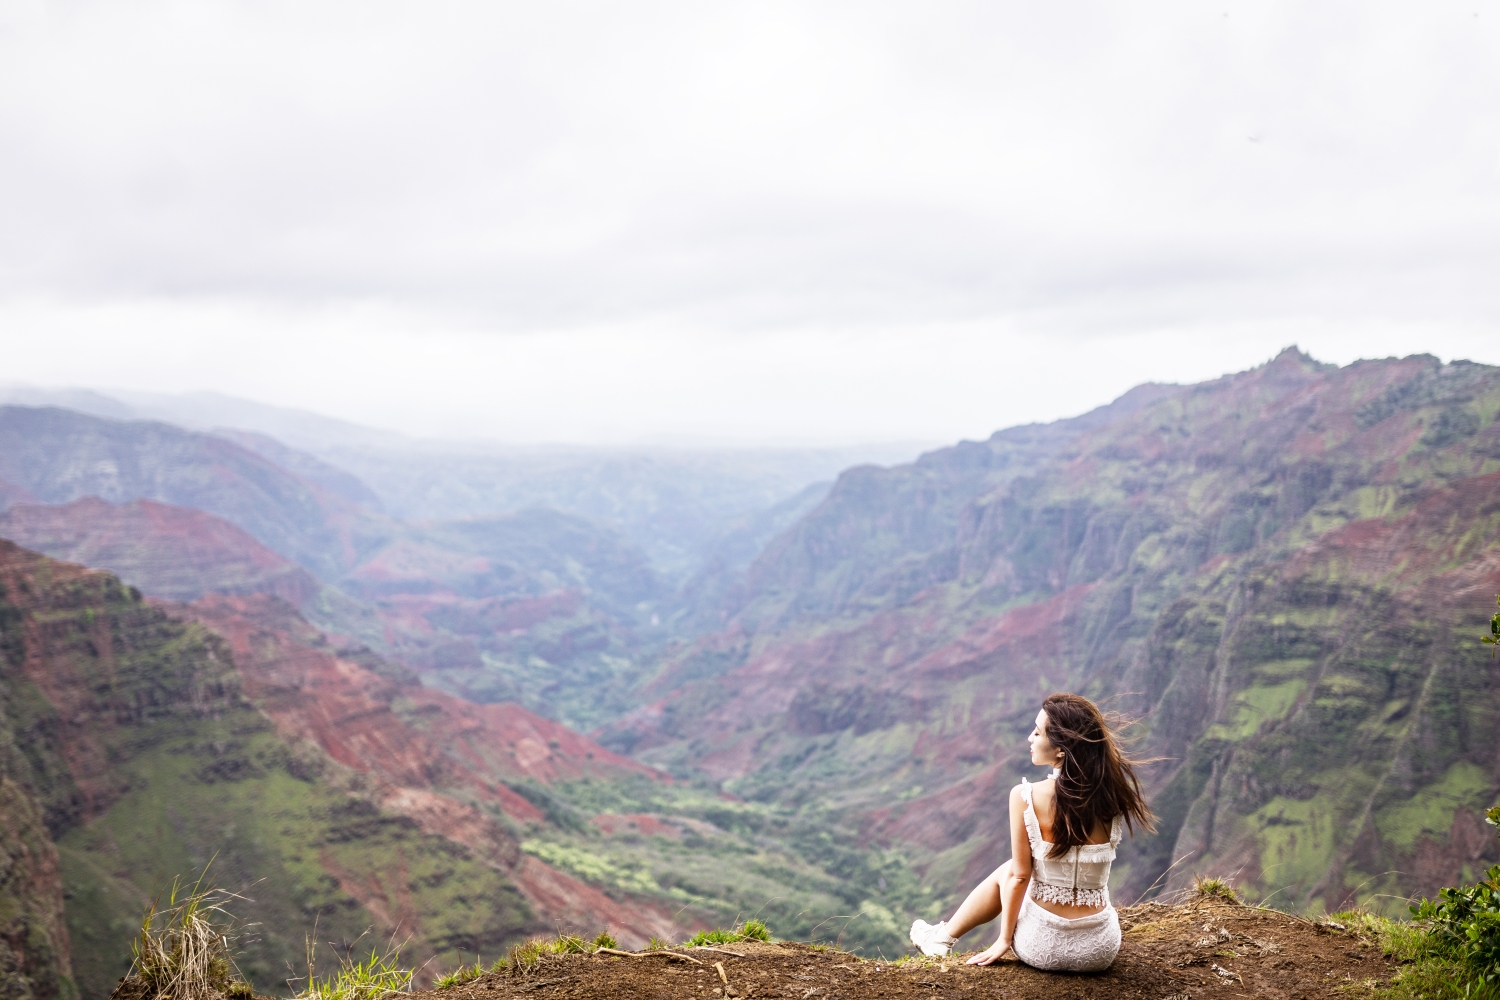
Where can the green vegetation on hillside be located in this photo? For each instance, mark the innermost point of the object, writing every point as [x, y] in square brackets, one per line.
[161, 764]
[1270, 569]
[299, 851]
[724, 861]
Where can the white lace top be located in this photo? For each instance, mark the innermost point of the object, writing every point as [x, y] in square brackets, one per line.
[1080, 877]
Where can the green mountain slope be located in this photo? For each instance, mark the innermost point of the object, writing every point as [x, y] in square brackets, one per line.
[129, 733]
[1275, 569]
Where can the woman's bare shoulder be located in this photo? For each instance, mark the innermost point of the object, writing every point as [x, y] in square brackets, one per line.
[1041, 788]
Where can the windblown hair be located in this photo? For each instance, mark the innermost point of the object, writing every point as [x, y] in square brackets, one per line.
[1096, 781]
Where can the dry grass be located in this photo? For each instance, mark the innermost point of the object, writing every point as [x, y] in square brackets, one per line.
[182, 950]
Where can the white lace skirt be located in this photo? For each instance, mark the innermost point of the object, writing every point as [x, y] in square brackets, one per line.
[1084, 944]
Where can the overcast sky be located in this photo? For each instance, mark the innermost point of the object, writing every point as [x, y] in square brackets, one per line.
[738, 222]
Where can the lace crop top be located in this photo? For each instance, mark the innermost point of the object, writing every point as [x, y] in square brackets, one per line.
[1080, 877]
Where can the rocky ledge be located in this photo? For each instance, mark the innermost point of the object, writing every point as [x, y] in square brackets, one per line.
[1204, 947]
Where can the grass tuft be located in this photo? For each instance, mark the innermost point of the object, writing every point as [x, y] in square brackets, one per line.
[570, 944]
[182, 950]
[459, 976]
[374, 977]
[657, 944]
[526, 956]
[1210, 885]
[751, 930]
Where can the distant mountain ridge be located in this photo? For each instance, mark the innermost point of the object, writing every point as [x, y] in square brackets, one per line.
[58, 456]
[171, 552]
[181, 514]
[675, 503]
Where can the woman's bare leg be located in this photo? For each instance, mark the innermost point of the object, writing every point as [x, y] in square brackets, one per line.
[982, 906]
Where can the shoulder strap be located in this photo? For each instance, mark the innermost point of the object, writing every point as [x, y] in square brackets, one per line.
[1033, 828]
[1116, 831]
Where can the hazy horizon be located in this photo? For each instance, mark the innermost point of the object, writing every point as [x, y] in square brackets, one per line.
[598, 226]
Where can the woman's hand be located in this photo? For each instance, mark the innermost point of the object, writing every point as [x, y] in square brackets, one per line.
[990, 955]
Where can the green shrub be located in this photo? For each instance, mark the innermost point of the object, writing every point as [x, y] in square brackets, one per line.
[1465, 925]
[605, 941]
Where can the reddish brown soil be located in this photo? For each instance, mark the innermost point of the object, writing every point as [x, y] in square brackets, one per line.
[422, 752]
[1204, 948]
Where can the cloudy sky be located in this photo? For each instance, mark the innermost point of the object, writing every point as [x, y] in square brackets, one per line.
[737, 222]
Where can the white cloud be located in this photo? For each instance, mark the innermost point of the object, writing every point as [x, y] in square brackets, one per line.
[823, 222]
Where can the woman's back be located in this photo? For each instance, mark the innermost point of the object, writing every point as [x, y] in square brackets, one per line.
[1077, 883]
[1044, 801]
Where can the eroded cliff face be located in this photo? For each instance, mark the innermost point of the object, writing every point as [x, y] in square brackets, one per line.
[1282, 571]
[141, 741]
[35, 954]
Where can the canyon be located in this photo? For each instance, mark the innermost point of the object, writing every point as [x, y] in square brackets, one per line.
[375, 721]
[1282, 574]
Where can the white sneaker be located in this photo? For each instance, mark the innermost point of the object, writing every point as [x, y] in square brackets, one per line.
[932, 939]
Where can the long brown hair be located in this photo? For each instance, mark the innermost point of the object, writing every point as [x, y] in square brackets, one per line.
[1096, 781]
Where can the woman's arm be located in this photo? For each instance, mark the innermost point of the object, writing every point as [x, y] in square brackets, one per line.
[1013, 884]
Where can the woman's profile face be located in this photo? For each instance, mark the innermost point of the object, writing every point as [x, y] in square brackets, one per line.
[1043, 753]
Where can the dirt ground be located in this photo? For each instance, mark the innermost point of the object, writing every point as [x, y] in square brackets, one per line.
[1207, 947]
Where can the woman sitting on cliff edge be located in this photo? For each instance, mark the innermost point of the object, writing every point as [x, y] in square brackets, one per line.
[1063, 833]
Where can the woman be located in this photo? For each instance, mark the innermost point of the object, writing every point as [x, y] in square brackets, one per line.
[1063, 834]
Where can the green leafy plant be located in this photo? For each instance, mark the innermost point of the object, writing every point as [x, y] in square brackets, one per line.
[1465, 925]
[605, 941]
[657, 944]
[1493, 638]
